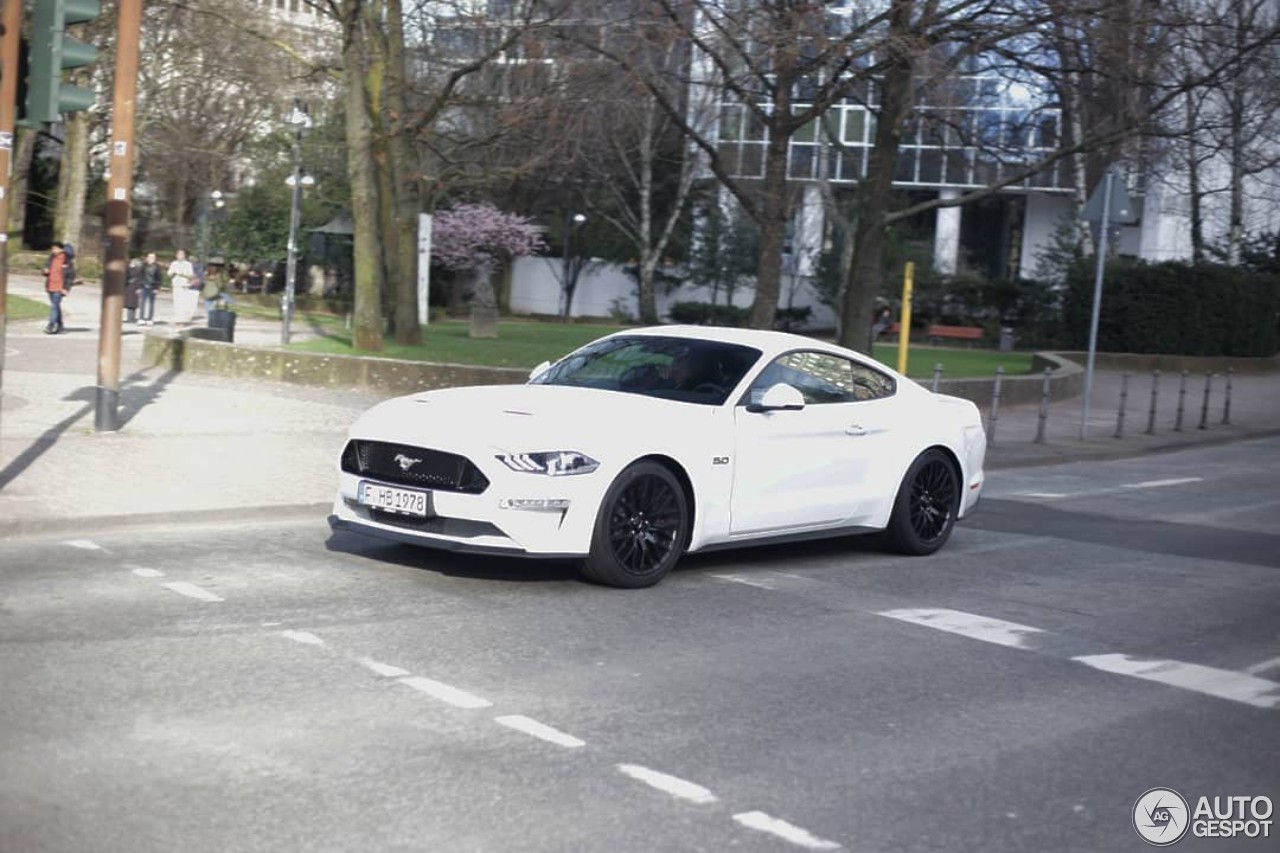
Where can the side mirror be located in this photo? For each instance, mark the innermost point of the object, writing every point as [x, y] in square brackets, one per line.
[539, 370]
[779, 398]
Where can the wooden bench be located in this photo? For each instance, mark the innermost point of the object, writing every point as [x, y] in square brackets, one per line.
[959, 333]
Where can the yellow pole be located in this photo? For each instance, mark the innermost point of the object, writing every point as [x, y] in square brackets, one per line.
[904, 324]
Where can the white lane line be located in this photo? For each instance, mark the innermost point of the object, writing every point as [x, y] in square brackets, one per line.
[192, 591]
[784, 830]
[445, 693]
[745, 581]
[1259, 668]
[539, 730]
[1223, 683]
[383, 668]
[84, 544]
[148, 573]
[1156, 484]
[304, 637]
[672, 785]
[996, 631]
[1088, 493]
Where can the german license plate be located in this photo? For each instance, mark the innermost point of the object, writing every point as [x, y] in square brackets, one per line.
[392, 499]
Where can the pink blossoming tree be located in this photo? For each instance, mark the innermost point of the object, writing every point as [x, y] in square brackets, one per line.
[477, 237]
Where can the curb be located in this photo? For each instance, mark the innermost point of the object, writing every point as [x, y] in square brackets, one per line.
[1077, 453]
[35, 527]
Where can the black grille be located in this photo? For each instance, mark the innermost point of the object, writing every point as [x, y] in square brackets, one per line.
[431, 469]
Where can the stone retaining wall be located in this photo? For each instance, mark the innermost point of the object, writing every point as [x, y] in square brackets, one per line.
[395, 377]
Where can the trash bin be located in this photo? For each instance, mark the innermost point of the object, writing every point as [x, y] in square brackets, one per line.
[1006, 339]
[224, 321]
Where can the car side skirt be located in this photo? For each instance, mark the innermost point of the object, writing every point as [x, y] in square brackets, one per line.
[784, 538]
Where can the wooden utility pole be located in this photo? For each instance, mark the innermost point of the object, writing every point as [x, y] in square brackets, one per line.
[9, 47]
[119, 188]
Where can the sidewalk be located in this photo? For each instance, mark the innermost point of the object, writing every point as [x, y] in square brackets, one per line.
[195, 447]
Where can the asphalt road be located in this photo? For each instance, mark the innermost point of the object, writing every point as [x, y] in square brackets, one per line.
[1097, 630]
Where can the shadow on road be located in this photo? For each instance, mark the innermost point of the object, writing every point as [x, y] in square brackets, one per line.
[134, 396]
[450, 564]
[1134, 534]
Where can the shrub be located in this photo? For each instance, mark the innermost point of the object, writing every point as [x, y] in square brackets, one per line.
[1175, 307]
[706, 314]
[787, 319]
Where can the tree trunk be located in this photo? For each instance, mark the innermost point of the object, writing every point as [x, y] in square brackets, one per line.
[866, 273]
[368, 267]
[73, 179]
[23, 152]
[773, 229]
[407, 193]
[1194, 193]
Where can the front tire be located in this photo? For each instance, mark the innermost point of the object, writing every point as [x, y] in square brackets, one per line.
[641, 530]
[925, 510]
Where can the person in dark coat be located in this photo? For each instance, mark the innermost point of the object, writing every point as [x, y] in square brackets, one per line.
[152, 276]
[133, 290]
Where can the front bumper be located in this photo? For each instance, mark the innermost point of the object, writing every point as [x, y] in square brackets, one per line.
[488, 523]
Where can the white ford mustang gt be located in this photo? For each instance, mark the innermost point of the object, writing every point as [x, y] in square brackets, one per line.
[650, 443]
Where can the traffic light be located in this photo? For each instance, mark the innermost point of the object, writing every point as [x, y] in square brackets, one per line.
[52, 52]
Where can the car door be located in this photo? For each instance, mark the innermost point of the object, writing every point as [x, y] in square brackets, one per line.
[812, 467]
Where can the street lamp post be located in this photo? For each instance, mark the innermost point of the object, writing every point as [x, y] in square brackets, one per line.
[300, 122]
[569, 224]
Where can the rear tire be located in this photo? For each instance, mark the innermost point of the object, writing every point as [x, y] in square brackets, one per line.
[925, 510]
[641, 530]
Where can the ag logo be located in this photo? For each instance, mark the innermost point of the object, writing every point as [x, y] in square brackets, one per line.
[1161, 816]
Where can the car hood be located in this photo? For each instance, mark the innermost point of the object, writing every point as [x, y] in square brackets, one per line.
[525, 417]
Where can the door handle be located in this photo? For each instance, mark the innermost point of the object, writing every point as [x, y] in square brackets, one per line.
[856, 429]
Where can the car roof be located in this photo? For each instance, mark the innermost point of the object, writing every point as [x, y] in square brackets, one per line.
[768, 342]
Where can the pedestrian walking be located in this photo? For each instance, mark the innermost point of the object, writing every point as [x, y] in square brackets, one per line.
[882, 324]
[152, 276]
[133, 290]
[55, 284]
[185, 291]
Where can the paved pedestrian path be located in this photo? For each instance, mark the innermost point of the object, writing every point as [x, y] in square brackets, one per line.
[193, 447]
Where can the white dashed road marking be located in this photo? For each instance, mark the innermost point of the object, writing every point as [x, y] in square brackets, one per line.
[539, 730]
[1259, 668]
[746, 581]
[784, 830]
[305, 637]
[996, 631]
[192, 591]
[85, 545]
[672, 785]
[1145, 484]
[445, 693]
[148, 573]
[1223, 683]
[383, 668]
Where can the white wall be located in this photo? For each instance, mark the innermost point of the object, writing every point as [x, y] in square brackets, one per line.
[535, 289]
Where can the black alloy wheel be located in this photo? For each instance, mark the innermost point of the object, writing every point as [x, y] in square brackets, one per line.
[925, 510]
[641, 530]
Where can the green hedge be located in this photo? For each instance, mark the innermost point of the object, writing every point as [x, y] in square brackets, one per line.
[1176, 307]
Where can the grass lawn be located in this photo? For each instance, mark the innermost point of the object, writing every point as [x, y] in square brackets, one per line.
[22, 308]
[523, 344]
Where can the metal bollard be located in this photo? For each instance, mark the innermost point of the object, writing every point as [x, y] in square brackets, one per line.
[995, 407]
[1226, 403]
[1204, 407]
[1044, 408]
[1155, 392]
[1124, 401]
[1182, 401]
[937, 377]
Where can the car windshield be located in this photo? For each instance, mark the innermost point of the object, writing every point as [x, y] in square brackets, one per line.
[685, 369]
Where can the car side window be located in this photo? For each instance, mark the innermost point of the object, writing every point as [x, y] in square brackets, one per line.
[823, 378]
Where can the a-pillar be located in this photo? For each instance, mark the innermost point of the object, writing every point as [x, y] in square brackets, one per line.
[946, 235]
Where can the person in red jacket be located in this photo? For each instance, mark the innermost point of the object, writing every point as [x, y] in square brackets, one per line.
[55, 284]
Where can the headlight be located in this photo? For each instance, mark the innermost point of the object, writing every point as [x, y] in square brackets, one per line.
[554, 463]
